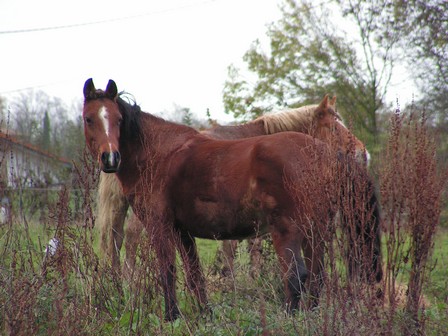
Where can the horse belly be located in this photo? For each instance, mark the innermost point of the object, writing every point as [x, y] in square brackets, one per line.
[216, 219]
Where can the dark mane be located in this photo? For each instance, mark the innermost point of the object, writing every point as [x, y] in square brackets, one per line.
[131, 114]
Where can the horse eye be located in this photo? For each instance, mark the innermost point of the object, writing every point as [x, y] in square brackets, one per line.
[89, 121]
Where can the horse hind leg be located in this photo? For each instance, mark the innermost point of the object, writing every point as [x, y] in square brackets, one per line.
[313, 248]
[255, 249]
[228, 257]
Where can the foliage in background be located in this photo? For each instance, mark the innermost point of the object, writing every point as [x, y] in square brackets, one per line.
[309, 56]
[347, 48]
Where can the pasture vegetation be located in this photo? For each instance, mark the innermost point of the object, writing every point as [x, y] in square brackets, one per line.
[74, 292]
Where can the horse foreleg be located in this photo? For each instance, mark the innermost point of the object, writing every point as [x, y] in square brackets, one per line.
[166, 255]
[287, 243]
[133, 239]
[118, 218]
[195, 277]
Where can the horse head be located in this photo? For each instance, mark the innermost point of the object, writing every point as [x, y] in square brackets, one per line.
[330, 129]
[102, 121]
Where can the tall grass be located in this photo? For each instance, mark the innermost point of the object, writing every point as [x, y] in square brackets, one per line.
[411, 188]
[74, 291]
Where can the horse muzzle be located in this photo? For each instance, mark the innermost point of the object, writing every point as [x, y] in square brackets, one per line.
[110, 162]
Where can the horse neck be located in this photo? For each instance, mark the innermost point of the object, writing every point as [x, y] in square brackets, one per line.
[164, 136]
[309, 129]
[248, 130]
[157, 140]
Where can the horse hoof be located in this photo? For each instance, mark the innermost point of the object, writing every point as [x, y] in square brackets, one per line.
[172, 315]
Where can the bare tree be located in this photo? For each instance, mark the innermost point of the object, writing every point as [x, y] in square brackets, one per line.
[44, 121]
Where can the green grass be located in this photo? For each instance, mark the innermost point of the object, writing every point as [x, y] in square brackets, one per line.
[207, 250]
[74, 290]
[437, 290]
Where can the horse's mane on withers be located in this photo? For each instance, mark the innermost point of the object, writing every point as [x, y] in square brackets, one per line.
[298, 119]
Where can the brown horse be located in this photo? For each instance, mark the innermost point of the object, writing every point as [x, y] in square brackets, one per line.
[320, 121]
[182, 184]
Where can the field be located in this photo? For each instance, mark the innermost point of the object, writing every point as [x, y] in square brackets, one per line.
[71, 292]
[72, 289]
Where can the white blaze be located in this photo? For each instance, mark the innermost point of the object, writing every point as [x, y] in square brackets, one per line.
[105, 120]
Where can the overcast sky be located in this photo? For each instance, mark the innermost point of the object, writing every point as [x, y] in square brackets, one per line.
[163, 52]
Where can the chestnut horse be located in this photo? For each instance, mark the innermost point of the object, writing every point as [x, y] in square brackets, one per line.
[316, 120]
[182, 184]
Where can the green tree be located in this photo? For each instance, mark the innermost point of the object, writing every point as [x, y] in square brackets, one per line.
[309, 56]
[187, 118]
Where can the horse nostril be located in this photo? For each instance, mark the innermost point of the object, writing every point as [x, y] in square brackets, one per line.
[117, 157]
[110, 161]
[105, 158]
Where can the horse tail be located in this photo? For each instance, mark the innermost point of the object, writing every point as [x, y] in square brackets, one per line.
[361, 222]
[372, 234]
[112, 209]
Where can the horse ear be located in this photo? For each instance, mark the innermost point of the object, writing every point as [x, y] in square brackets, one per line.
[333, 101]
[89, 89]
[324, 103]
[320, 111]
[111, 89]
